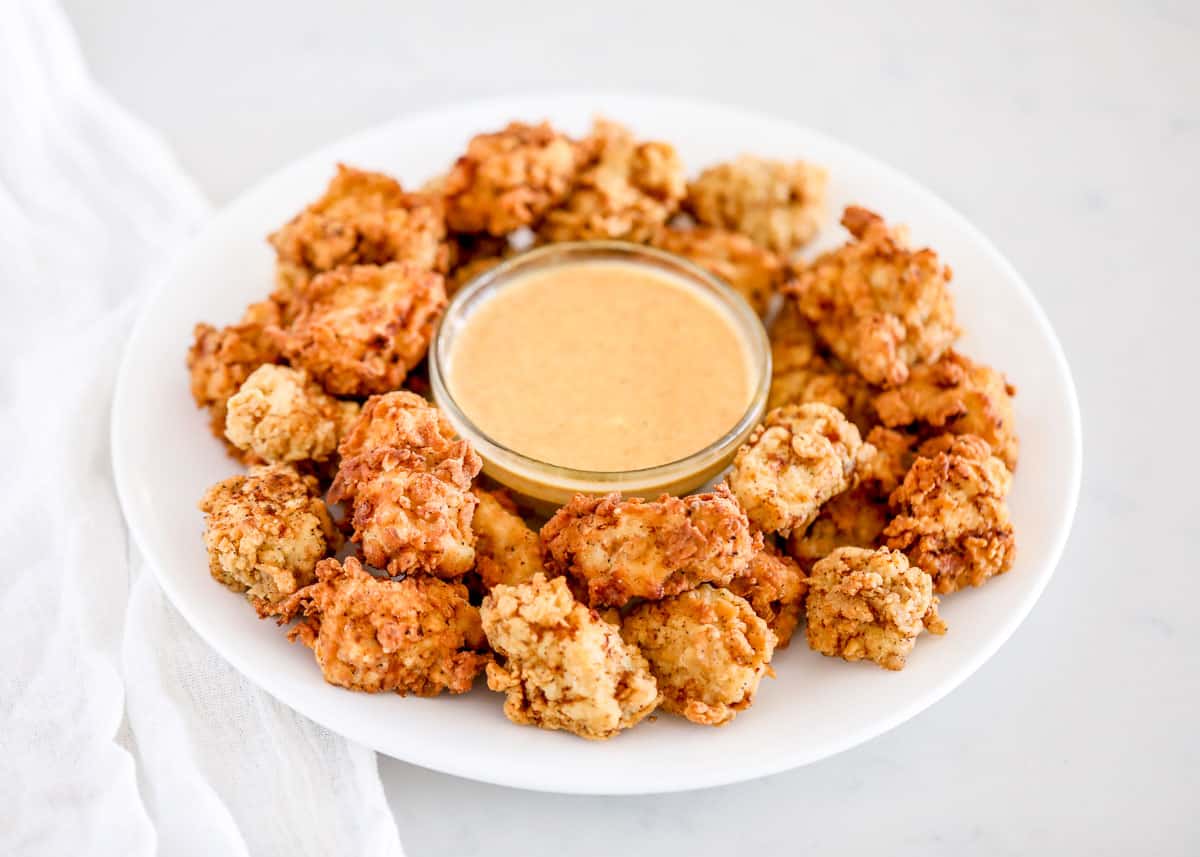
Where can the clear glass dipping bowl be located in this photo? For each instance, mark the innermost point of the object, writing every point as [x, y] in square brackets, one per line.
[545, 485]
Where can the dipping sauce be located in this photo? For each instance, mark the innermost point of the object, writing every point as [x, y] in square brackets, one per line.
[602, 365]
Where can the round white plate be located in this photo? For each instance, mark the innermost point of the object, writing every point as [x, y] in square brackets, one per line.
[164, 458]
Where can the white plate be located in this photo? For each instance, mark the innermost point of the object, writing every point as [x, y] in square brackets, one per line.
[164, 459]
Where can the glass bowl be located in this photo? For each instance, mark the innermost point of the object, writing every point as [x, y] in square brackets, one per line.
[545, 485]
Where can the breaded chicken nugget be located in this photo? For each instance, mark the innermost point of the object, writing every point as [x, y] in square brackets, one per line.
[775, 587]
[955, 395]
[754, 272]
[361, 329]
[951, 515]
[400, 418]
[798, 458]
[560, 664]
[622, 549]
[509, 178]
[627, 190]
[879, 306]
[506, 550]
[280, 415]
[869, 605]
[265, 532]
[780, 205]
[707, 649]
[418, 635]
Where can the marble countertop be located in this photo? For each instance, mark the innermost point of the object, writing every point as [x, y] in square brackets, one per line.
[1070, 135]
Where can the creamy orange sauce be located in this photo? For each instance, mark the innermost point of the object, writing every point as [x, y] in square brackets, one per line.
[601, 365]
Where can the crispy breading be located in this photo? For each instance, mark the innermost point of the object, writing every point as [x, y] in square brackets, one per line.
[775, 586]
[220, 361]
[411, 510]
[627, 190]
[622, 549]
[879, 306]
[506, 550]
[361, 329]
[857, 517]
[754, 272]
[707, 649]
[780, 205]
[265, 532]
[560, 665]
[418, 635]
[509, 178]
[801, 373]
[279, 414]
[869, 605]
[951, 516]
[471, 255]
[400, 418]
[798, 458]
[955, 395]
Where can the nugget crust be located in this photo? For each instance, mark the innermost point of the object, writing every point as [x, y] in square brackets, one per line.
[418, 635]
[951, 516]
[958, 396]
[506, 550]
[400, 418]
[360, 329]
[708, 651]
[879, 306]
[560, 665]
[869, 605]
[779, 205]
[265, 532]
[620, 550]
[775, 586]
[754, 272]
[796, 460]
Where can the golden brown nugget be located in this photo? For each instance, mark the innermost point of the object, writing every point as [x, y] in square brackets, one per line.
[879, 306]
[220, 360]
[707, 649]
[627, 191]
[509, 178]
[754, 272]
[796, 460]
[279, 414]
[506, 550]
[780, 205]
[622, 549]
[265, 532]
[869, 605]
[360, 329]
[955, 395]
[400, 418]
[560, 665]
[775, 586]
[418, 635]
[951, 516]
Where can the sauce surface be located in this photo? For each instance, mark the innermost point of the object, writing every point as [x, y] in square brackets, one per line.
[601, 365]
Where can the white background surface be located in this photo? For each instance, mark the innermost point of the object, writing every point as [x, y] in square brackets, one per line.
[1070, 136]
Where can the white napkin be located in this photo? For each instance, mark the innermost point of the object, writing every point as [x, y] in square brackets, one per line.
[121, 732]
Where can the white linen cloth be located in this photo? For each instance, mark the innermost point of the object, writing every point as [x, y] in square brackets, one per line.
[121, 732]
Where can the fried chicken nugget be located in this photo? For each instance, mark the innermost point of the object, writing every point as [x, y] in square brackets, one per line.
[265, 532]
[220, 361]
[955, 395]
[869, 605]
[400, 418]
[418, 635]
[775, 586]
[754, 272]
[879, 306]
[279, 414]
[780, 205]
[622, 549]
[627, 191]
[798, 458]
[951, 516]
[510, 178]
[560, 664]
[361, 329]
[506, 550]
[707, 649]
